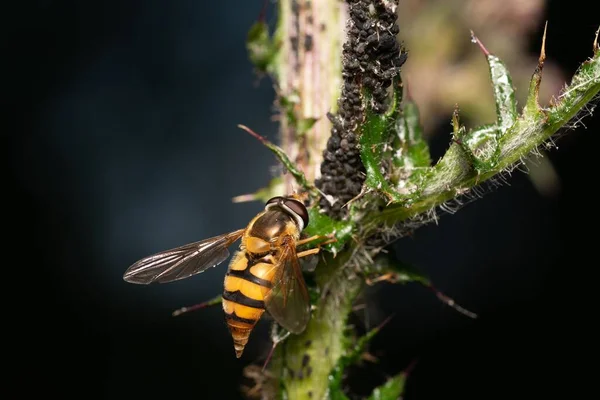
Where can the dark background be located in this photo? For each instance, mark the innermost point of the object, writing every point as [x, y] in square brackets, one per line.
[121, 139]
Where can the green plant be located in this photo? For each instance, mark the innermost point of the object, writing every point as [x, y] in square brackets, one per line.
[367, 168]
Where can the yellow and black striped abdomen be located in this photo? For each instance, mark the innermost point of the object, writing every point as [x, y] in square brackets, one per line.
[246, 283]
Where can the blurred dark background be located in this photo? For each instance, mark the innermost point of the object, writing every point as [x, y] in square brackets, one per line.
[121, 139]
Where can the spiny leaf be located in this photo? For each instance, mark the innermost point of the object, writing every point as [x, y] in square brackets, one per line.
[504, 92]
[481, 143]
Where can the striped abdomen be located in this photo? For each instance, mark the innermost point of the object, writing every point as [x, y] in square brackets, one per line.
[246, 283]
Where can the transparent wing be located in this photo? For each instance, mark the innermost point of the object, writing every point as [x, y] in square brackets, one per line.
[182, 262]
[288, 301]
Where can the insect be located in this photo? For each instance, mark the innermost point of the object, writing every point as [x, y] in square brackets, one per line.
[263, 275]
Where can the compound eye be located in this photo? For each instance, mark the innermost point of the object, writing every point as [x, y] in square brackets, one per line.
[274, 200]
[298, 208]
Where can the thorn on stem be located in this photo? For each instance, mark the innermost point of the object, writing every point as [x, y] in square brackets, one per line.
[455, 124]
[195, 307]
[536, 80]
[543, 51]
[384, 322]
[269, 357]
[251, 132]
[596, 47]
[409, 369]
[369, 357]
[263, 11]
[275, 343]
[450, 302]
[475, 39]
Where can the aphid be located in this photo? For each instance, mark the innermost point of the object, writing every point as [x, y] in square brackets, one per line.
[263, 275]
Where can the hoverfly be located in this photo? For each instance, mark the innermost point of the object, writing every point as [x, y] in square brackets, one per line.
[264, 274]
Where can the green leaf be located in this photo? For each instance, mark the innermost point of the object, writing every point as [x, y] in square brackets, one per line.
[321, 224]
[372, 149]
[304, 125]
[300, 125]
[482, 146]
[287, 103]
[410, 152]
[262, 50]
[410, 139]
[392, 389]
[504, 92]
[376, 134]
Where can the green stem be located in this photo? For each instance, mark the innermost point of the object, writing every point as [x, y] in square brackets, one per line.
[454, 175]
[308, 71]
[304, 362]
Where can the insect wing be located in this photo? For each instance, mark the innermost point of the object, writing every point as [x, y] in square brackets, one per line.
[182, 262]
[288, 301]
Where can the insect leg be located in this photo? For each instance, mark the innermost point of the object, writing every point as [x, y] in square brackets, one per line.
[389, 277]
[317, 237]
[308, 252]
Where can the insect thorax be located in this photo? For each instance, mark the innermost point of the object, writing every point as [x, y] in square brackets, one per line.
[273, 223]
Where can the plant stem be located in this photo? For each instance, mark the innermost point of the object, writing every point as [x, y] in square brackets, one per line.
[311, 35]
[308, 72]
[309, 359]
